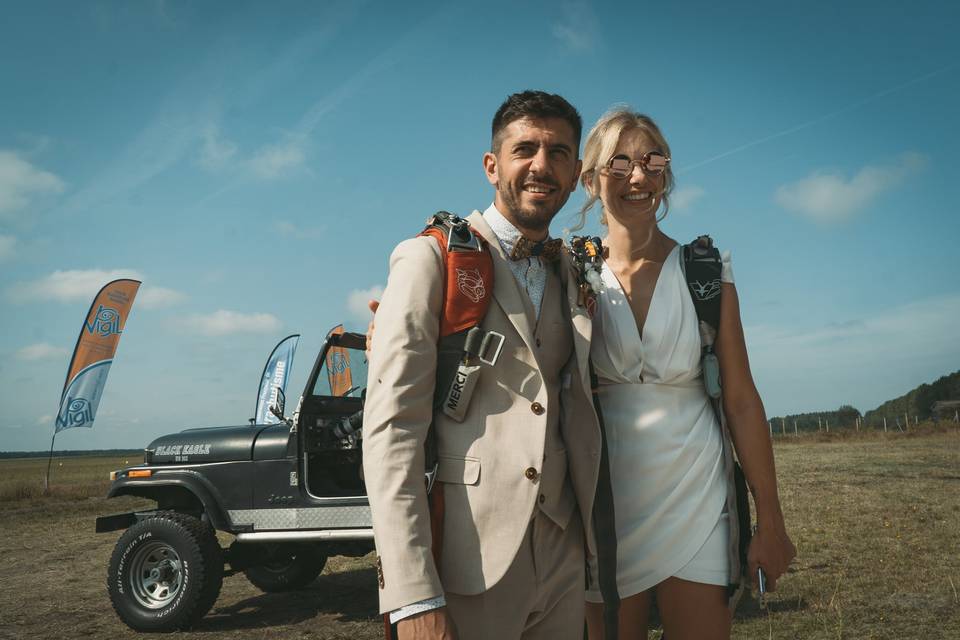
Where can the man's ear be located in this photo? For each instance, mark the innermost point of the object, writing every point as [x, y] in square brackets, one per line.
[490, 168]
[576, 175]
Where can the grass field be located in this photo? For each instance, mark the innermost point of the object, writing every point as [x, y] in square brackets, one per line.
[876, 521]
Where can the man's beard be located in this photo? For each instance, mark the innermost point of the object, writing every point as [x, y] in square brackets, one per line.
[534, 218]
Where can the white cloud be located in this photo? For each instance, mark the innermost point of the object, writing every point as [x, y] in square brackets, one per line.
[41, 351]
[684, 197]
[223, 322]
[290, 230]
[45, 420]
[830, 196]
[357, 302]
[80, 285]
[20, 180]
[277, 160]
[578, 29]
[158, 297]
[216, 151]
[68, 286]
[8, 247]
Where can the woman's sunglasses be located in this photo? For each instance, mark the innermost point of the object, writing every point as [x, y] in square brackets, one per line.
[652, 163]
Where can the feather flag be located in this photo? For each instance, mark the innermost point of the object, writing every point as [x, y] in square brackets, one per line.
[93, 355]
[339, 374]
[275, 376]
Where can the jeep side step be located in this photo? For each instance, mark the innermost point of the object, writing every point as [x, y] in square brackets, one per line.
[291, 536]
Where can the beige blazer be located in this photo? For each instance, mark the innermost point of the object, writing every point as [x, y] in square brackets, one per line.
[484, 459]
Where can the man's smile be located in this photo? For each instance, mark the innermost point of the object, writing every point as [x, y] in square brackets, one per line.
[539, 188]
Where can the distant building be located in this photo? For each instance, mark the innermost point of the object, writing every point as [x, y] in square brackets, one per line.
[945, 409]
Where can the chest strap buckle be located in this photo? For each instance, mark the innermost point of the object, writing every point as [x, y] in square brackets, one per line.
[483, 345]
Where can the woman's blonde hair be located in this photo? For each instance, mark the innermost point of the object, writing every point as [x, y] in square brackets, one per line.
[601, 143]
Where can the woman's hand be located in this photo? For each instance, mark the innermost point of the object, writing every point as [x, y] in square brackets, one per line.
[771, 549]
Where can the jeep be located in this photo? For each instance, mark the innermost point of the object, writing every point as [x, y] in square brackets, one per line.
[290, 493]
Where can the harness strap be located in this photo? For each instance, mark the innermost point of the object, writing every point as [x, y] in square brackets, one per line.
[468, 272]
[587, 254]
[702, 268]
[604, 524]
[468, 286]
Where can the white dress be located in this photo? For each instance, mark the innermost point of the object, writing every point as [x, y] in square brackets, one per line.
[665, 446]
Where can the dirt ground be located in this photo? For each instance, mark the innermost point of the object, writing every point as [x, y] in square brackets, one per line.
[876, 520]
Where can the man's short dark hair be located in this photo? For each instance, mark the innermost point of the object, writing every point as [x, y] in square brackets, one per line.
[534, 104]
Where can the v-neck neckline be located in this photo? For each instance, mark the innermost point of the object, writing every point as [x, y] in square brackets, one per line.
[629, 308]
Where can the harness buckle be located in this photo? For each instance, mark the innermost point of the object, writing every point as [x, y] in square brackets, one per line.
[488, 339]
[460, 238]
[459, 235]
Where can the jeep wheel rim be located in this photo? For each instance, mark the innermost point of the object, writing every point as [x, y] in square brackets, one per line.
[156, 575]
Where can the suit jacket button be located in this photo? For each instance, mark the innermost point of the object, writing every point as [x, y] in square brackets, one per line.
[543, 498]
[537, 408]
[531, 474]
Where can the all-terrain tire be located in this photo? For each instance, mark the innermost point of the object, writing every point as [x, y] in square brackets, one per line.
[288, 567]
[165, 572]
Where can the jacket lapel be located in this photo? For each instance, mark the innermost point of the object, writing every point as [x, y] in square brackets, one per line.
[506, 291]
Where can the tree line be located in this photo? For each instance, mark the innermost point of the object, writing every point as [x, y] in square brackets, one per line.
[916, 403]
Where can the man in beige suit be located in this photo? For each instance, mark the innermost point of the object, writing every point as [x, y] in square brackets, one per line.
[519, 471]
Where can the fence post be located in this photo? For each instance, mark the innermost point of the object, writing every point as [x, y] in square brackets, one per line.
[795, 432]
[884, 424]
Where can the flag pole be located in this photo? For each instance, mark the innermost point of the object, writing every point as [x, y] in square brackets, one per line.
[46, 480]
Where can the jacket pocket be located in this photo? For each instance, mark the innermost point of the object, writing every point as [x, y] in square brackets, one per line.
[455, 470]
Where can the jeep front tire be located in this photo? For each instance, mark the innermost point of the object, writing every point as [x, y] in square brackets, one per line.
[165, 572]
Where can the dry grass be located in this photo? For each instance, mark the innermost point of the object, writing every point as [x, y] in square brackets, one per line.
[71, 478]
[876, 520]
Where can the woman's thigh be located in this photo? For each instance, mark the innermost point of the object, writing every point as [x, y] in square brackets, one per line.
[692, 610]
[634, 617]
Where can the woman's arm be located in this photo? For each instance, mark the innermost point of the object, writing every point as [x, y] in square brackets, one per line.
[771, 547]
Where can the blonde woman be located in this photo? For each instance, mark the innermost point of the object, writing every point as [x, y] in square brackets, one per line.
[665, 443]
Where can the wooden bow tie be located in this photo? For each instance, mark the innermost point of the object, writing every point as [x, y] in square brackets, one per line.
[548, 250]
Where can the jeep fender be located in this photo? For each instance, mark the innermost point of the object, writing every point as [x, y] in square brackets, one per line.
[176, 489]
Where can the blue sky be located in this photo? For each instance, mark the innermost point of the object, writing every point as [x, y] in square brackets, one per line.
[254, 165]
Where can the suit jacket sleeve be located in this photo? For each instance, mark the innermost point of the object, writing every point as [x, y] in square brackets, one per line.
[397, 416]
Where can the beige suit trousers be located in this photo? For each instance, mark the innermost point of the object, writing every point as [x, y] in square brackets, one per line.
[540, 596]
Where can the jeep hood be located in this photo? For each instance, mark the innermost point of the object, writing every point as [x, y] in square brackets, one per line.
[212, 444]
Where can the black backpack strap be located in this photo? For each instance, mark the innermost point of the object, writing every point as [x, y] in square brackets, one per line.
[702, 267]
